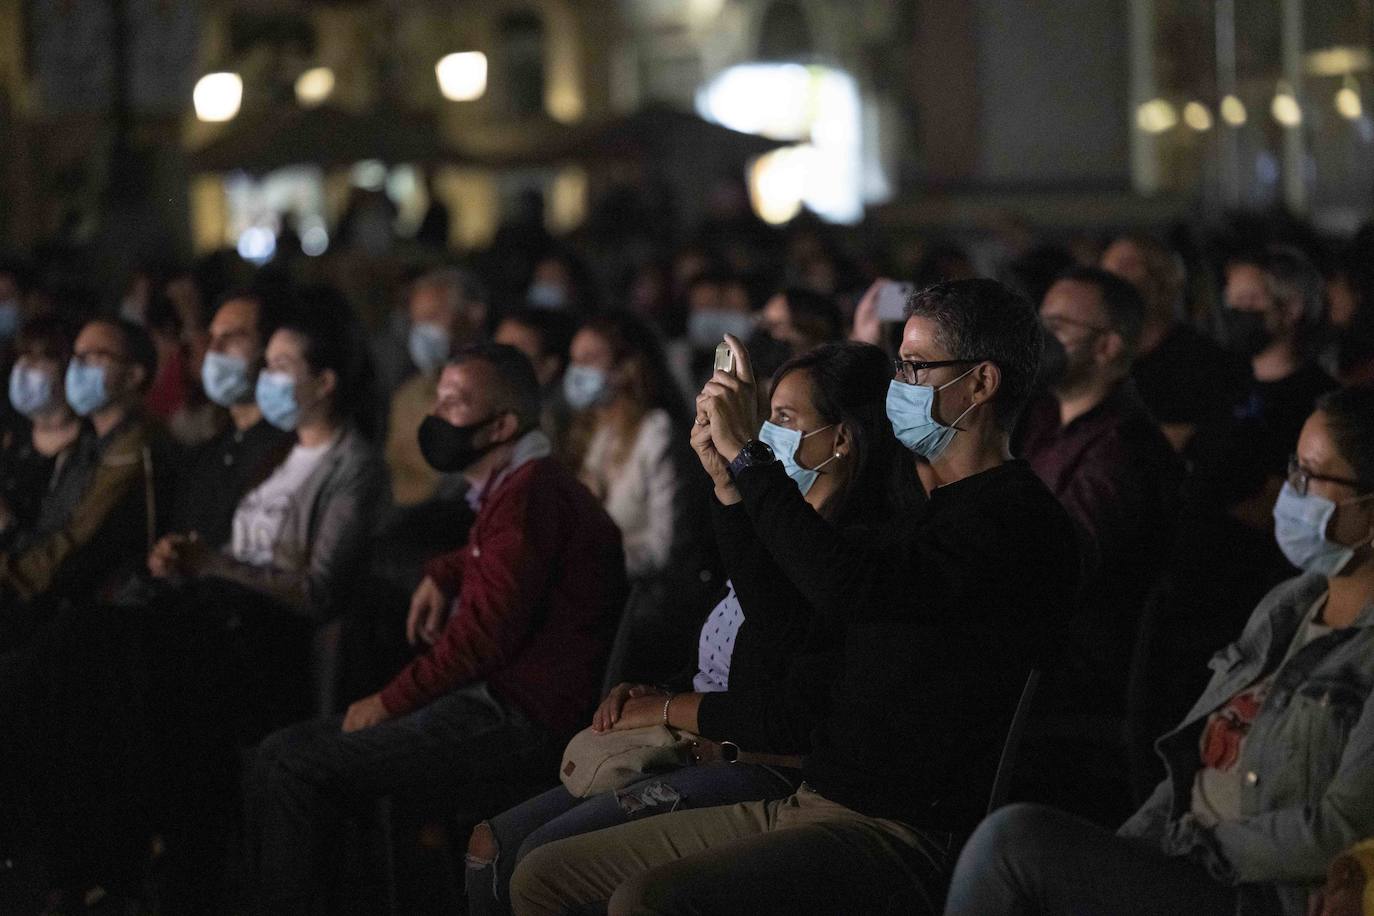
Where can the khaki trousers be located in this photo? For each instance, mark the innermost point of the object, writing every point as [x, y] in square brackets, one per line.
[802, 854]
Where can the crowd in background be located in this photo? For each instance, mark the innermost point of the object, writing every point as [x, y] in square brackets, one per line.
[236, 500]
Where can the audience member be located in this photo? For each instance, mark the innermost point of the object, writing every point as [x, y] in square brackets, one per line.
[828, 426]
[792, 322]
[1095, 445]
[443, 317]
[96, 510]
[943, 617]
[1183, 377]
[545, 337]
[513, 628]
[1268, 774]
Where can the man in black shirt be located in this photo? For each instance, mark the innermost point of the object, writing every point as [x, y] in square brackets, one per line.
[942, 624]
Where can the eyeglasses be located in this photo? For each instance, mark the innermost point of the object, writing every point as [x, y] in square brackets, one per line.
[1300, 477]
[1055, 322]
[907, 370]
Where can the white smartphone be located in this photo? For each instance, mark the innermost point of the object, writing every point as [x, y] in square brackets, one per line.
[892, 299]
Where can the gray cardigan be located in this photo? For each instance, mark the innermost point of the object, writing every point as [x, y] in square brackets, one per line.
[323, 543]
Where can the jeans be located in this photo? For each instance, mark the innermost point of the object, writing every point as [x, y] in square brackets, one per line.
[799, 855]
[558, 814]
[306, 779]
[1032, 859]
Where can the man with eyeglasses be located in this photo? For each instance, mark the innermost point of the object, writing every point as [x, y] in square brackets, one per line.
[95, 512]
[1096, 446]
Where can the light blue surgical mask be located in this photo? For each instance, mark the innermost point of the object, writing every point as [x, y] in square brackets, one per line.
[708, 327]
[86, 387]
[545, 295]
[428, 345]
[910, 410]
[785, 444]
[1300, 524]
[32, 390]
[585, 386]
[276, 394]
[9, 318]
[225, 378]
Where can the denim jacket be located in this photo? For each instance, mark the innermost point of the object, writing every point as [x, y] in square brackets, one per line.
[1308, 761]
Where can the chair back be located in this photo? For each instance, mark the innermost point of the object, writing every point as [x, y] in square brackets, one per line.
[1006, 764]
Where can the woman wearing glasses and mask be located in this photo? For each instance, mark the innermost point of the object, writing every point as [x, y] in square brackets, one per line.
[827, 427]
[1269, 774]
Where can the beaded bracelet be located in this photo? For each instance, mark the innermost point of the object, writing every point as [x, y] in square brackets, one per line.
[666, 703]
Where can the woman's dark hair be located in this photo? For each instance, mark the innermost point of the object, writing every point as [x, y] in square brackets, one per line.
[849, 384]
[325, 324]
[47, 337]
[1350, 418]
[631, 338]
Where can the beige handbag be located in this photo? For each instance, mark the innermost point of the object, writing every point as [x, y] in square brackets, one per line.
[603, 761]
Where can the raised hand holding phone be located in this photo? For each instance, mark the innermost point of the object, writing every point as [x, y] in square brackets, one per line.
[729, 404]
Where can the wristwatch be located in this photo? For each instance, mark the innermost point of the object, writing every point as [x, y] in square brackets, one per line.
[755, 452]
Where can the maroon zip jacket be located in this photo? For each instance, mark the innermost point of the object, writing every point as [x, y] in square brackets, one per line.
[540, 585]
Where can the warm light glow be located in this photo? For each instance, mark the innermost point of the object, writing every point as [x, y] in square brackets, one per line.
[462, 76]
[1233, 111]
[217, 96]
[1156, 116]
[1348, 99]
[1285, 107]
[1197, 116]
[778, 183]
[1338, 61]
[314, 86]
[819, 106]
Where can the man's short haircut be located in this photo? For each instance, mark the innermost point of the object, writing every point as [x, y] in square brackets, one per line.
[138, 346]
[1163, 265]
[517, 389]
[983, 319]
[1121, 301]
[274, 307]
[458, 284]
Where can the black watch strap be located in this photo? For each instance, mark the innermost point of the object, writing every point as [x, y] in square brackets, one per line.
[755, 452]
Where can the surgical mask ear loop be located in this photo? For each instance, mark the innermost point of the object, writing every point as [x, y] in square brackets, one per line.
[955, 425]
[814, 432]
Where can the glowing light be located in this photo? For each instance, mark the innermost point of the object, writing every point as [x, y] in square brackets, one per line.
[1338, 61]
[778, 183]
[314, 86]
[370, 174]
[818, 106]
[1156, 116]
[315, 241]
[462, 76]
[257, 244]
[1348, 99]
[1197, 116]
[217, 96]
[1285, 107]
[1233, 111]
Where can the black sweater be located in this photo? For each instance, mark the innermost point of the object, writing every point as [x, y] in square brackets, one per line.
[943, 617]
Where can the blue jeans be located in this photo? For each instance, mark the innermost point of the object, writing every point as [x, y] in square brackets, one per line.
[306, 779]
[557, 814]
[1032, 859]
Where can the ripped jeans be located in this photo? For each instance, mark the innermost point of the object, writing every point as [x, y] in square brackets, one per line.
[557, 814]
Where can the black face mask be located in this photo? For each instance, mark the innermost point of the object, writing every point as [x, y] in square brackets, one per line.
[1243, 333]
[1054, 360]
[448, 448]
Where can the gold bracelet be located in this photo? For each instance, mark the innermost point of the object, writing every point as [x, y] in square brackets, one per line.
[666, 703]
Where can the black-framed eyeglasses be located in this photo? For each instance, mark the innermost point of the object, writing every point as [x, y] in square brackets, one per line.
[1300, 477]
[905, 370]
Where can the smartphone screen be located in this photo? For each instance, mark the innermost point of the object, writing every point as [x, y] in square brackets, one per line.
[725, 357]
[892, 299]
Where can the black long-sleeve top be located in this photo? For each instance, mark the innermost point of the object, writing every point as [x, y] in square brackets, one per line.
[943, 617]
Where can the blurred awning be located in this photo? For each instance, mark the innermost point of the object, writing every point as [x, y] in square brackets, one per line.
[652, 134]
[323, 136]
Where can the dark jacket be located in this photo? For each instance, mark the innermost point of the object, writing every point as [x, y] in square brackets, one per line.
[943, 616]
[538, 588]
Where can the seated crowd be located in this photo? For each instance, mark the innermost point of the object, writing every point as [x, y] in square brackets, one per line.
[754, 595]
